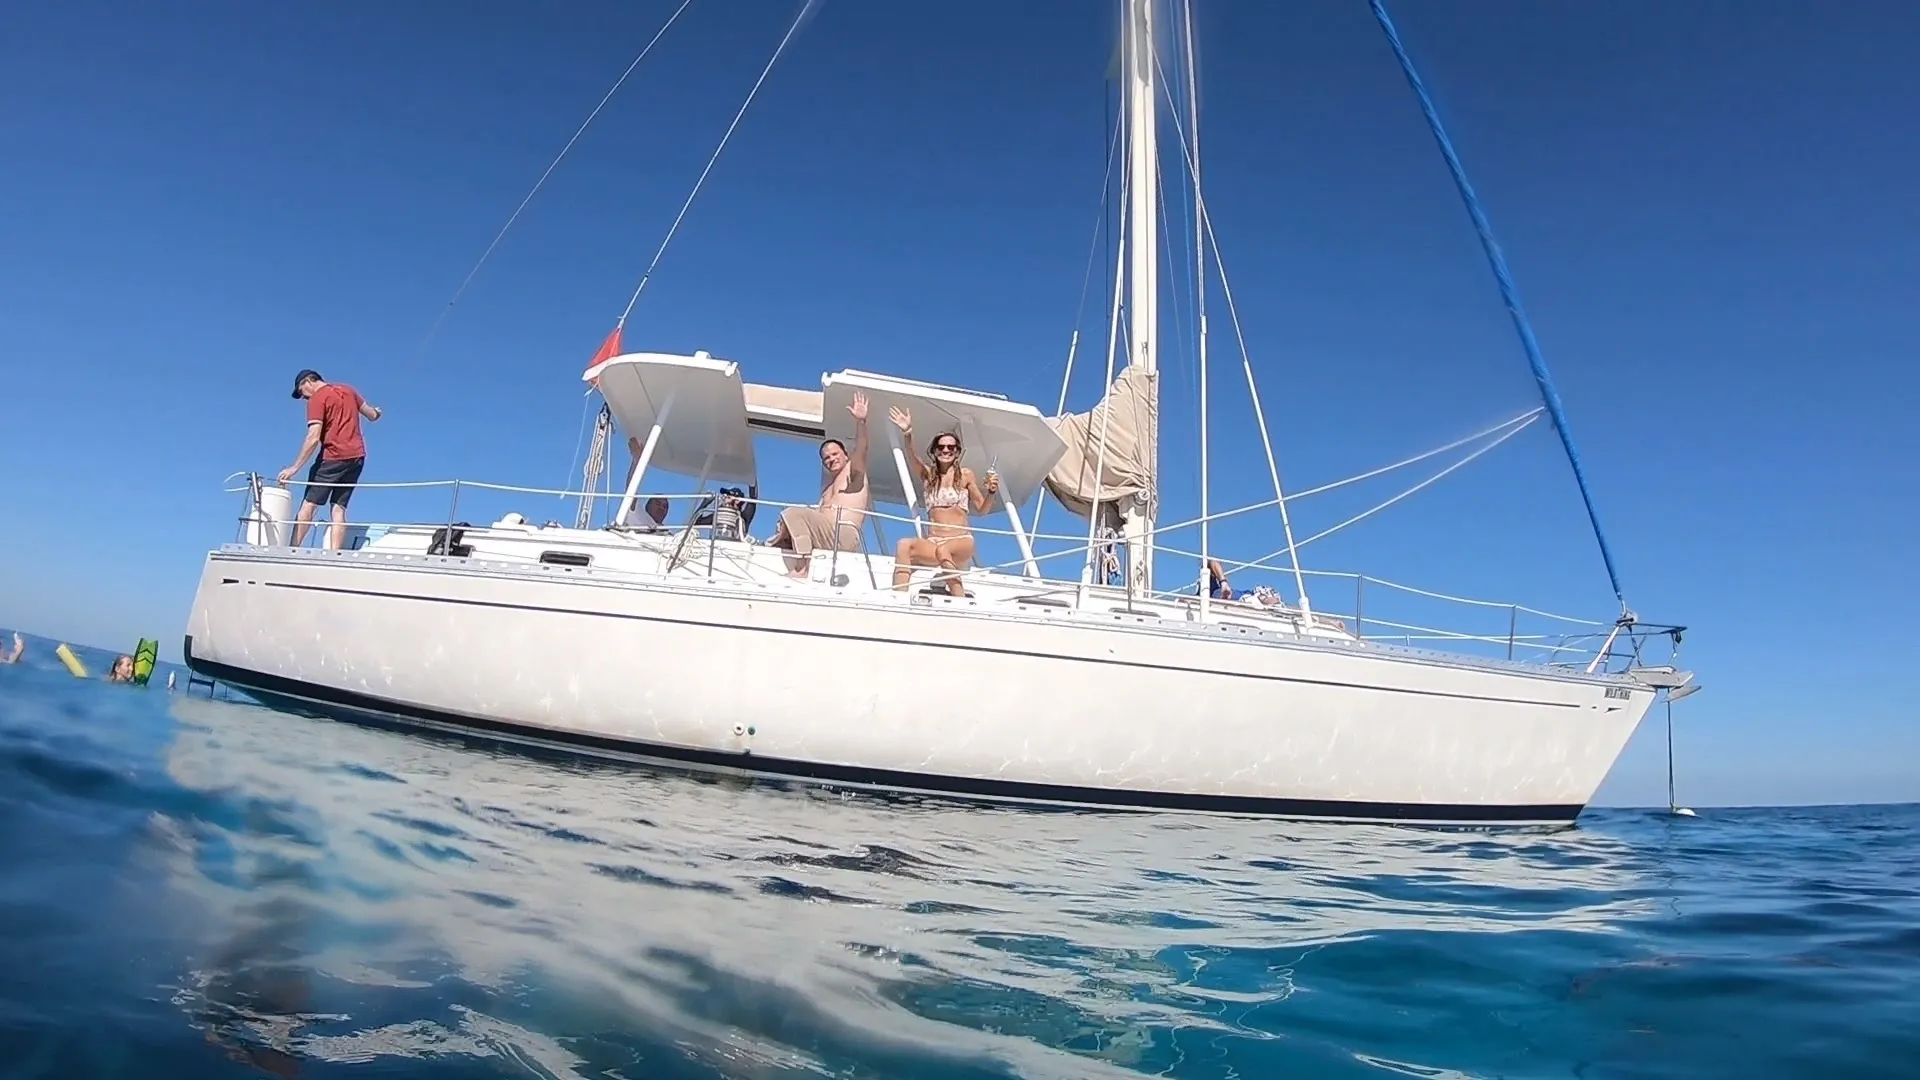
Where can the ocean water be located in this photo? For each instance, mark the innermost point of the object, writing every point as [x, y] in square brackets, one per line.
[206, 888]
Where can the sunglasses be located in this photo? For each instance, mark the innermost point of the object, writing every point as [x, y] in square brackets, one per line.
[946, 447]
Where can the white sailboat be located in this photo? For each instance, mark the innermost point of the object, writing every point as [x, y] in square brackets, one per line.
[689, 647]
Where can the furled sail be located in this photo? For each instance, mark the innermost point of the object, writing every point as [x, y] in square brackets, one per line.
[1111, 447]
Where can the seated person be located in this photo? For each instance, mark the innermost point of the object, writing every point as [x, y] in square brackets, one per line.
[652, 517]
[730, 513]
[1217, 586]
[949, 488]
[834, 523]
[655, 517]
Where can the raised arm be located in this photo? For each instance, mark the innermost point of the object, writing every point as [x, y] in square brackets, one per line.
[633, 460]
[749, 504]
[859, 411]
[903, 419]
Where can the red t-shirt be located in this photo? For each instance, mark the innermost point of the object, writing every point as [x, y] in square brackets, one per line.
[337, 407]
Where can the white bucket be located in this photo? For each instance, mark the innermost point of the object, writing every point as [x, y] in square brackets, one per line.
[271, 517]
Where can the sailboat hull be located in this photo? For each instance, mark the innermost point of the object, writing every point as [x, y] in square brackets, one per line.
[1121, 711]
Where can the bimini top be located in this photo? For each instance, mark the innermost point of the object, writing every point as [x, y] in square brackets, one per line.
[698, 403]
[1012, 437]
[714, 413]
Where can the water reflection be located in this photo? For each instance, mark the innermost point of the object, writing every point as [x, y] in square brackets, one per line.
[365, 895]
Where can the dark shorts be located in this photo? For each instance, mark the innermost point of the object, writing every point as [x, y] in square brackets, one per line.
[346, 471]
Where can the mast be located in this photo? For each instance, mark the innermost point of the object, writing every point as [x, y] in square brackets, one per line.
[1143, 278]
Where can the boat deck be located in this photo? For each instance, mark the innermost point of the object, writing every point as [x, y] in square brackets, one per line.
[681, 561]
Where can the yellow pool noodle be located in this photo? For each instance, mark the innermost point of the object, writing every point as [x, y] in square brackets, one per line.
[73, 663]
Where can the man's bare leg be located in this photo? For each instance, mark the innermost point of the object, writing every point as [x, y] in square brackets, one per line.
[303, 521]
[337, 534]
[799, 563]
[796, 560]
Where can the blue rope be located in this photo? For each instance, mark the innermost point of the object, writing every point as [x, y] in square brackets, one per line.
[1508, 292]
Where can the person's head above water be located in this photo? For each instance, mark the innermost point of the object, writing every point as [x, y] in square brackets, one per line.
[122, 669]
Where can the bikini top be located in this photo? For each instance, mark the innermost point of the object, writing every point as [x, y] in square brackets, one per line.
[946, 498]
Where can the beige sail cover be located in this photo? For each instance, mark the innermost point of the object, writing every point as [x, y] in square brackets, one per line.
[1120, 431]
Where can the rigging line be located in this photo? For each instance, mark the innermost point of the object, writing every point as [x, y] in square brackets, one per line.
[1171, 261]
[1509, 293]
[1185, 316]
[1212, 243]
[1080, 311]
[1178, 289]
[1172, 355]
[580, 441]
[537, 184]
[1086, 278]
[1368, 475]
[596, 467]
[1200, 312]
[1127, 195]
[1672, 801]
[1421, 486]
[806, 8]
[1259, 413]
[1526, 417]
[1491, 604]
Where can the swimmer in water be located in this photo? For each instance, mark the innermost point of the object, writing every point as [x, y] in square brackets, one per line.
[19, 646]
[122, 669]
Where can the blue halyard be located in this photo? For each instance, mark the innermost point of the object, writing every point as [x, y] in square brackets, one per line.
[1508, 292]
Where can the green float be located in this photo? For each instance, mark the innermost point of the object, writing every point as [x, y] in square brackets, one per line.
[145, 656]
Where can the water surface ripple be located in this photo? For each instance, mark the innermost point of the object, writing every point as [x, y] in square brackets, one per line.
[206, 888]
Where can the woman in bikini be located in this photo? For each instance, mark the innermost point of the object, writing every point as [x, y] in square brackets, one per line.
[949, 488]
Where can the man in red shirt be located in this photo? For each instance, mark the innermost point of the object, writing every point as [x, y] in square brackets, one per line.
[333, 427]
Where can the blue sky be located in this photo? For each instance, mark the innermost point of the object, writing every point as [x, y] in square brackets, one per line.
[1708, 207]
